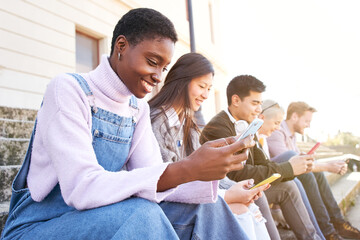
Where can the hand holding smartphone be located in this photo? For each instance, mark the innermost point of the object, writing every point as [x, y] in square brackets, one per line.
[268, 180]
[313, 149]
[252, 128]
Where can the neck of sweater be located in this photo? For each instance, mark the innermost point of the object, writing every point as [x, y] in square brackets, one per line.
[108, 82]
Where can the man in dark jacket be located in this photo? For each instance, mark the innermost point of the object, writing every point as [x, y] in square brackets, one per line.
[244, 95]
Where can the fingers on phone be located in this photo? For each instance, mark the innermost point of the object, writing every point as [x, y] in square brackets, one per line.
[240, 157]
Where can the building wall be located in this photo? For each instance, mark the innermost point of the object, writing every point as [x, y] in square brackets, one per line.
[37, 41]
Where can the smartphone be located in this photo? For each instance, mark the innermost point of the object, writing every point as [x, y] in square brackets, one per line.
[268, 180]
[314, 148]
[252, 128]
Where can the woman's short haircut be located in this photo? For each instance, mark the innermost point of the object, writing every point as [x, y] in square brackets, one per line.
[143, 23]
[298, 107]
[270, 108]
[242, 85]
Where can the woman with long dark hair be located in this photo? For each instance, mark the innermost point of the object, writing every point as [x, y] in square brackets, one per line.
[185, 88]
[93, 169]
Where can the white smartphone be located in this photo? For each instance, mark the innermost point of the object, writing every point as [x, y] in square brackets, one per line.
[252, 128]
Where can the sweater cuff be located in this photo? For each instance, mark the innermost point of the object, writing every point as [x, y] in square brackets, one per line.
[150, 188]
[286, 171]
[195, 192]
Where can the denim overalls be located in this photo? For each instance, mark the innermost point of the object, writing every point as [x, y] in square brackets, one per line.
[133, 218]
[52, 218]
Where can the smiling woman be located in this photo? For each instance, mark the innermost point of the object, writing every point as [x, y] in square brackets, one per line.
[141, 66]
[172, 116]
[94, 168]
[186, 86]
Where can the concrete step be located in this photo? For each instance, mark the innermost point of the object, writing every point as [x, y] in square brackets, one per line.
[341, 157]
[346, 189]
[353, 213]
[4, 210]
[320, 149]
[320, 155]
[12, 150]
[332, 178]
[7, 175]
[10, 128]
[18, 113]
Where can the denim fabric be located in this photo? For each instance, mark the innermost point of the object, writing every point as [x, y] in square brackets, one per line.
[112, 140]
[133, 218]
[309, 208]
[328, 198]
[263, 204]
[283, 158]
[52, 218]
[322, 201]
[287, 195]
[203, 221]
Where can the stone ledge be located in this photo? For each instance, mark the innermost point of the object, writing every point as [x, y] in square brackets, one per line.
[346, 189]
[7, 175]
[12, 150]
[4, 211]
[15, 128]
[18, 113]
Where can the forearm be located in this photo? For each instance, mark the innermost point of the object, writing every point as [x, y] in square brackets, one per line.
[175, 174]
[320, 167]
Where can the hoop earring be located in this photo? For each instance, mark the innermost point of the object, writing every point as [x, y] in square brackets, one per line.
[119, 55]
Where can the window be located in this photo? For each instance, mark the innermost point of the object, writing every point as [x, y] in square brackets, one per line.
[87, 52]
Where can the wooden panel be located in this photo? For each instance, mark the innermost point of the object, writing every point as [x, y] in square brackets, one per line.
[23, 82]
[17, 99]
[26, 46]
[36, 32]
[35, 14]
[93, 23]
[93, 10]
[31, 65]
[118, 8]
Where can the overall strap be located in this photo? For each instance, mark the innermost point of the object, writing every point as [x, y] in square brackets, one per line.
[133, 102]
[83, 84]
[85, 87]
[135, 109]
[20, 179]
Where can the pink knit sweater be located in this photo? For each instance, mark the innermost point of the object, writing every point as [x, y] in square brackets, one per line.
[63, 153]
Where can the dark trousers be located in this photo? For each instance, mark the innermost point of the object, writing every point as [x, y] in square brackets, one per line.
[322, 201]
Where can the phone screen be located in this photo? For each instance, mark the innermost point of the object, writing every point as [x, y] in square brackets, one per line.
[268, 180]
[252, 128]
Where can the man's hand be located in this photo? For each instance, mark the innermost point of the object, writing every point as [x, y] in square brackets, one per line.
[302, 164]
[240, 193]
[338, 166]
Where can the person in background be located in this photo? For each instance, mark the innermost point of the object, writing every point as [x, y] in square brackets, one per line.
[244, 94]
[186, 87]
[273, 114]
[94, 170]
[326, 210]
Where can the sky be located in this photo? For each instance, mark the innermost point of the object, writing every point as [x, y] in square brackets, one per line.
[303, 51]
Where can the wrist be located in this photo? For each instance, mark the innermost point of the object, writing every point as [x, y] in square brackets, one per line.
[187, 171]
[228, 197]
[175, 174]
